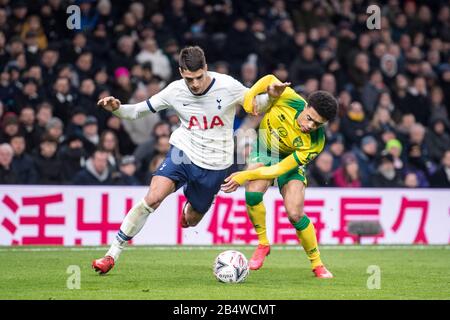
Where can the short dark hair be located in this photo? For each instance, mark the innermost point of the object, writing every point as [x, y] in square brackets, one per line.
[192, 58]
[324, 103]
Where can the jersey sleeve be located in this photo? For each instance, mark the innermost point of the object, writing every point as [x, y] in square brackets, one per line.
[259, 87]
[163, 99]
[265, 173]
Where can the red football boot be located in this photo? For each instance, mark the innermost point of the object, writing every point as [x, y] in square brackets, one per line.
[103, 265]
[258, 257]
[322, 272]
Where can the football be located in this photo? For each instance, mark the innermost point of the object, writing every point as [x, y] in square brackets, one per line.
[231, 266]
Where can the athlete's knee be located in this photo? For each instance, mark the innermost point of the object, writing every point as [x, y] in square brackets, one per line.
[253, 198]
[294, 214]
[153, 200]
[192, 216]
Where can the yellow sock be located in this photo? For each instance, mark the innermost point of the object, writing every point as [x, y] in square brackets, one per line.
[306, 233]
[257, 213]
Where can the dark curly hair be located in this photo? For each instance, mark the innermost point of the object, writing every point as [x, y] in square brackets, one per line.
[324, 103]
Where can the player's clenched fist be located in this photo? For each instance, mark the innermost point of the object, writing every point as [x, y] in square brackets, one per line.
[109, 103]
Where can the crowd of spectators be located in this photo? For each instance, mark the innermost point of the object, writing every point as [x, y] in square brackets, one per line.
[392, 83]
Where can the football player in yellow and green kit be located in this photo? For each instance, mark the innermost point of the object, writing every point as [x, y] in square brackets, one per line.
[291, 134]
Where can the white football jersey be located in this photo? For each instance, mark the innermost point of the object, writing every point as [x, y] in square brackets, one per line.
[206, 131]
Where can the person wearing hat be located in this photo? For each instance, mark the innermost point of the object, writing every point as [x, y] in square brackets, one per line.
[366, 155]
[90, 134]
[386, 176]
[126, 174]
[123, 87]
[395, 148]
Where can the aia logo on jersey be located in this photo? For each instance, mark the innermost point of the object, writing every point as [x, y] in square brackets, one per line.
[204, 124]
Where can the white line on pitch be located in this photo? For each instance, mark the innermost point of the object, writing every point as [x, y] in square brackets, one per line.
[222, 247]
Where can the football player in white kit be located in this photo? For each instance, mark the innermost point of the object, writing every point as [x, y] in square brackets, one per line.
[202, 147]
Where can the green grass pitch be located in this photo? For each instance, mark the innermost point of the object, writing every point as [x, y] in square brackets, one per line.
[409, 272]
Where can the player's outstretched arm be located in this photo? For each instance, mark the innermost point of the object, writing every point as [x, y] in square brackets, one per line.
[255, 103]
[124, 111]
[262, 173]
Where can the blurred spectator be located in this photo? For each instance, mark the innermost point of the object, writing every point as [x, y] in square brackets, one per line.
[31, 131]
[126, 175]
[347, 176]
[437, 138]
[354, 125]
[367, 157]
[139, 130]
[125, 144]
[108, 142]
[394, 148]
[73, 156]
[162, 147]
[417, 101]
[22, 163]
[441, 178]
[386, 176]
[160, 62]
[55, 129]
[320, 172]
[47, 162]
[96, 171]
[305, 66]
[90, 134]
[144, 151]
[7, 174]
[10, 126]
[411, 180]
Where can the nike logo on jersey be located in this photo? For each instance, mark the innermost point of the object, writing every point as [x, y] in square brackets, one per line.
[185, 104]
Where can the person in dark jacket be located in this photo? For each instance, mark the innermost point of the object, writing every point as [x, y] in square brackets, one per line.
[437, 138]
[126, 175]
[7, 174]
[321, 171]
[22, 163]
[48, 164]
[386, 176]
[354, 125]
[96, 171]
[73, 156]
[441, 178]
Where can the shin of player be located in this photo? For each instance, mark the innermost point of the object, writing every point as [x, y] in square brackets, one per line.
[131, 225]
